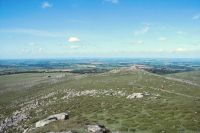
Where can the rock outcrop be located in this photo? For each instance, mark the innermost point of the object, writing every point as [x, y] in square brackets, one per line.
[135, 95]
[51, 118]
[97, 129]
[61, 132]
[16, 117]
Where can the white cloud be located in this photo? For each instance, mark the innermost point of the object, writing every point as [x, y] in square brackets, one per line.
[138, 42]
[31, 44]
[159, 50]
[25, 51]
[142, 31]
[195, 17]
[40, 49]
[74, 47]
[177, 50]
[113, 1]
[147, 24]
[46, 4]
[73, 39]
[162, 39]
[181, 32]
[34, 32]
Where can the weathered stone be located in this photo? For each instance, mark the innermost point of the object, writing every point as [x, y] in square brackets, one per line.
[97, 129]
[51, 118]
[13, 120]
[61, 132]
[135, 95]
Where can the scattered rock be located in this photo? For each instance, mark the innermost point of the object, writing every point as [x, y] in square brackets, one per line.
[61, 132]
[28, 130]
[94, 93]
[17, 117]
[51, 118]
[135, 95]
[97, 129]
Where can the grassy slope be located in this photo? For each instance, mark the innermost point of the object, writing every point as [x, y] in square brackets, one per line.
[176, 109]
[193, 76]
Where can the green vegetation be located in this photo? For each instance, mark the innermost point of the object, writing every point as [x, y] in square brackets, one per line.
[193, 76]
[171, 106]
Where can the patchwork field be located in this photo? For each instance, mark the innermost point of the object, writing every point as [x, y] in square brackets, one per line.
[123, 100]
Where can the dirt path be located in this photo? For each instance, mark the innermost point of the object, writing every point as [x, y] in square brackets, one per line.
[175, 79]
[176, 93]
[183, 81]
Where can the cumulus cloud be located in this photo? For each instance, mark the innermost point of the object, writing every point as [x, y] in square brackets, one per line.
[174, 51]
[142, 31]
[46, 4]
[113, 1]
[159, 50]
[40, 49]
[74, 47]
[73, 39]
[25, 51]
[31, 44]
[195, 17]
[177, 50]
[181, 32]
[138, 42]
[162, 39]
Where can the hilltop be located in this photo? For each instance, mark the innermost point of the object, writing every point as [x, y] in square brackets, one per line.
[123, 100]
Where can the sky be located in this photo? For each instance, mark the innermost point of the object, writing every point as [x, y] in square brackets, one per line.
[99, 28]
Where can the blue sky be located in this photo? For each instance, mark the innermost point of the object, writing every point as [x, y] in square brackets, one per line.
[99, 28]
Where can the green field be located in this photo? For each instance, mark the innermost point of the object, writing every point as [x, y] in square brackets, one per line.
[193, 76]
[171, 106]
